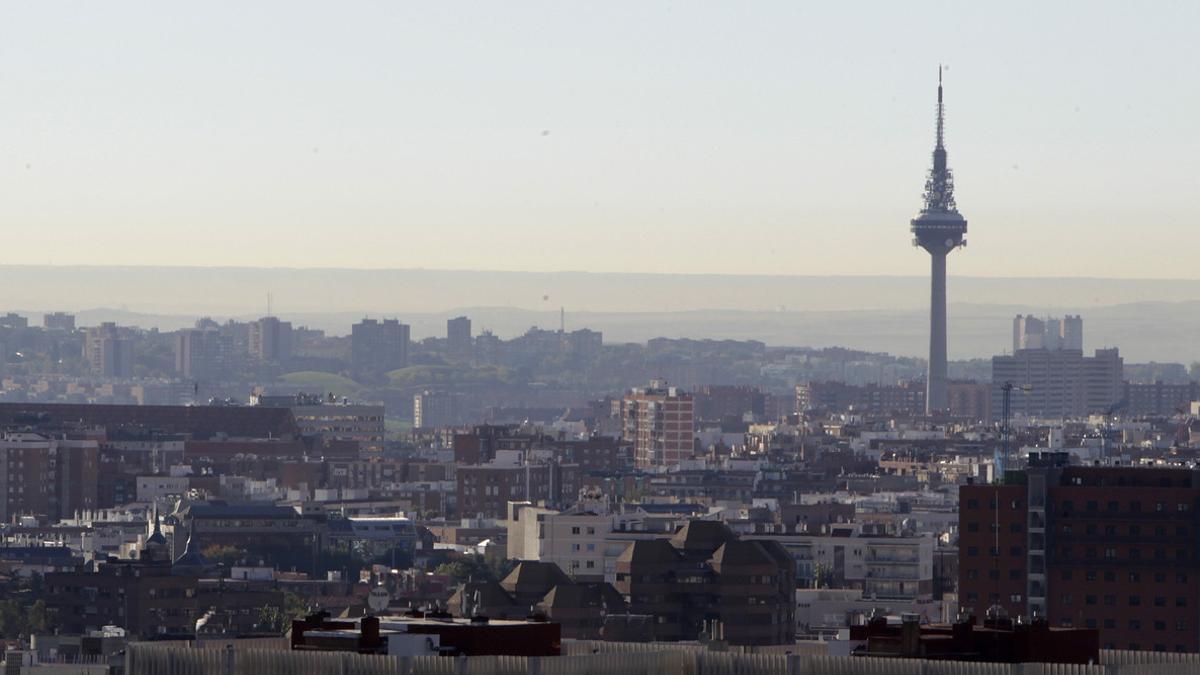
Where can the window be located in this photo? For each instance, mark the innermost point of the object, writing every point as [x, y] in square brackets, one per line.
[1015, 528]
[1111, 552]
[574, 530]
[1015, 597]
[1090, 575]
[994, 575]
[1160, 601]
[1089, 599]
[1135, 577]
[1181, 531]
[972, 575]
[1181, 507]
[1091, 623]
[1110, 623]
[1160, 578]
[1135, 507]
[972, 503]
[972, 550]
[1066, 575]
[1135, 600]
[1180, 601]
[1110, 600]
[1181, 578]
[1092, 506]
[1181, 624]
[1066, 598]
[1160, 625]
[972, 527]
[1109, 576]
[1135, 530]
[1135, 624]
[1160, 506]
[1015, 575]
[1015, 550]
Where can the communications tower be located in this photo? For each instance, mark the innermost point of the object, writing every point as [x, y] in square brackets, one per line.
[939, 229]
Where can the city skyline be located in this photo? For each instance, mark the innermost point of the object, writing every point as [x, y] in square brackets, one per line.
[206, 136]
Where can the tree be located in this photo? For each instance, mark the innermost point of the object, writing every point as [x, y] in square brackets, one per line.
[224, 554]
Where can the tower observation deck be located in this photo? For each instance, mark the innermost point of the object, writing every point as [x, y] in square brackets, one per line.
[939, 229]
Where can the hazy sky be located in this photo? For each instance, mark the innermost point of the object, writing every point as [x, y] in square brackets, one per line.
[760, 137]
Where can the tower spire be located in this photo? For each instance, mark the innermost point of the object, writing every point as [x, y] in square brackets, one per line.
[941, 112]
[939, 186]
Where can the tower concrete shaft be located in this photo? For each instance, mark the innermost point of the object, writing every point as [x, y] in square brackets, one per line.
[936, 398]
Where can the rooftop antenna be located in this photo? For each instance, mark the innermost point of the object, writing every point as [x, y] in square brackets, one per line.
[562, 319]
[268, 303]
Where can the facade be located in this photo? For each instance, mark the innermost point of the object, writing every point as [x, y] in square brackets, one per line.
[485, 489]
[59, 321]
[109, 351]
[270, 339]
[659, 421]
[574, 540]
[47, 478]
[1030, 332]
[1159, 398]
[459, 344]
[970, 400]
[379, 346]
[939, 229]
[705, 574]
[1058, 383]
[203, 354]
[435, 409]
[358, 422]
[1109, 548]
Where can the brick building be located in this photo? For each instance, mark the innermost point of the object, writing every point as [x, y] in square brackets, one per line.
[1111, 548]
[659, 421]
[705, 573]
[485, 489]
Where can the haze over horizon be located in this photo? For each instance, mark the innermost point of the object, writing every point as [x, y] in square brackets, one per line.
[643, 137]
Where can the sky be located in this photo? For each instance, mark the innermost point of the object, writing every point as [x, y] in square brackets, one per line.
[676, 137]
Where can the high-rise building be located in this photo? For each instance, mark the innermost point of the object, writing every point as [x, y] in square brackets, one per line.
[379, 346]
[434, 409]
[660, 422]
[203, 354]
[458, 338]
[109, 350]
[1058, 384]
[939, 229]
[270, 339]
[47, 478]
[59, 321]
[1030, 332]
[1110, 548]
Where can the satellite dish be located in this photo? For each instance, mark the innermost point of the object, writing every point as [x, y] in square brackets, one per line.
[379, 599]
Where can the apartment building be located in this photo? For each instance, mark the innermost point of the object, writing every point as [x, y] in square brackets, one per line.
[1105, 547]
[659, 421]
